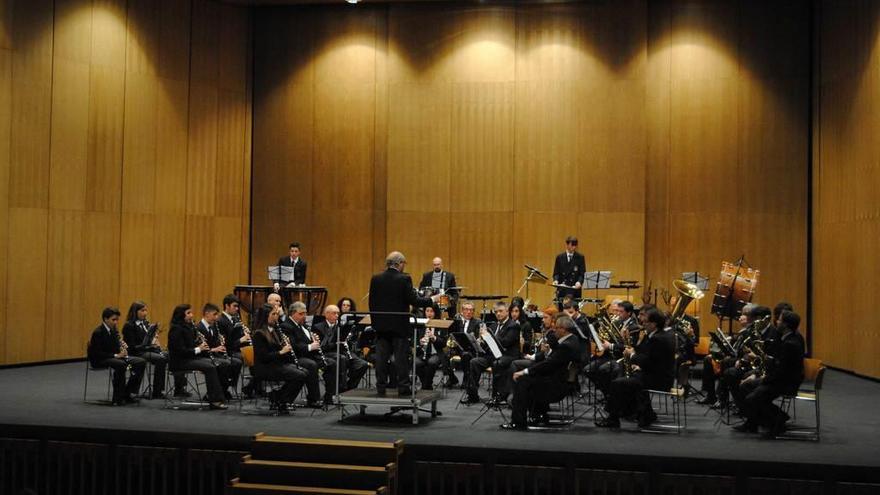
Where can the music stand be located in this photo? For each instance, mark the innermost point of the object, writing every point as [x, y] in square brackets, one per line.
[600, 279]
[282, 273]
[532, 275]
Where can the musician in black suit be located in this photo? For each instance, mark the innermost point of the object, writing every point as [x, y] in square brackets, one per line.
[273, 360]
[785, 372]
[392, 291]
[187, 351]
[547, 380]
[439, 279]
[467, 324]
[716, 395]
[429, 353]
[293, 260]
[135, 332]
[236, 335]
[106, 350]
[652, 367]
[506, 332]
[307, 350]
[227, 368]
[569, 269]
[351, 367]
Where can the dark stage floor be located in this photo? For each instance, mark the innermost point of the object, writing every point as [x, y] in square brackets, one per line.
[51, 396]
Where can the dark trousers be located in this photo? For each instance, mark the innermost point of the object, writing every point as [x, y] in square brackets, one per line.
[759, 409]
[602, 371]
[313, 390]
[293, 377]
[627, 396]
[425, 370]
[401, 348]
[533, 395]
[159, 360]
[206, 367]
[351, 371]
[501, 375]
[709, 378]
[121, 389]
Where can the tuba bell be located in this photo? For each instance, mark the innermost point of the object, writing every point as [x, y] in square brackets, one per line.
[687, 292]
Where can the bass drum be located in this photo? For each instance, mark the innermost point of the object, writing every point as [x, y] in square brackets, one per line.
[735, 288]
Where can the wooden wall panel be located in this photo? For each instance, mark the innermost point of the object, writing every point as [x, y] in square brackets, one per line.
[846, 216]
[109, 141]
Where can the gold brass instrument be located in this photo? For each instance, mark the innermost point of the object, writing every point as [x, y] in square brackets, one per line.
[759, 364]
[687, 292]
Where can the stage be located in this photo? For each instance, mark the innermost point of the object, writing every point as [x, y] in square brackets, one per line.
[45, 402]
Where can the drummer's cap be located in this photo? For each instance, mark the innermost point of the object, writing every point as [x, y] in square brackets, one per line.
[571, 240]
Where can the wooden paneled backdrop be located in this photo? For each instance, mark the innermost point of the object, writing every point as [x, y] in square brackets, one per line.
[124, 163]
[667, 135]
[846, 177]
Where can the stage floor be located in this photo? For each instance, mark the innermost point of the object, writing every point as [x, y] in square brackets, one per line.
[51, 396]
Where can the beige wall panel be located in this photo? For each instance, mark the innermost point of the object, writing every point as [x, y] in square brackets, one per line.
[31, 104]
[138, 260]
[614, 241]
[481, 253]
[231, 125]
[103, 178]
[72, 31]
[143, 29]
[176, 19]
[482, 143]
[100, 284]
[109, 34]
[419, 129]
[226, 258]
[26, 279]
[64, 284]
[5, 144]
[420, 236]
[201, 173]
[172, 147]
[234, 44]
[169, 241]
[139, 144]
[205, 63]
[342, 258]
[198, 260]
[70, 127]
[6, 9]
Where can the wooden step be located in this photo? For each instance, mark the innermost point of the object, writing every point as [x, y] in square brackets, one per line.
[321, 450]
[315, 474]
[237, 487]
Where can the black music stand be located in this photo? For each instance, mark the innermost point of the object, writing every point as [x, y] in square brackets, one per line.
[600, 279]
[532, 275]
[282, 273]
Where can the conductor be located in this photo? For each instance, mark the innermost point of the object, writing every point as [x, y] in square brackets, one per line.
[392, 291]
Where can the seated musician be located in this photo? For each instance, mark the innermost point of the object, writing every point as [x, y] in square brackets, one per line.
[467, 324]
[581, 328]
[274, 359]
[107, 349]
[603, 366]
[429, 353]
[187, 351]
[518, 314]
[547, 380]
[227, 369]
[439, 280]
[308, 352]
[650, 366]
[540, 340]
[729, 381]
[293, 260]
[235, 334]
[135, 332]
[749, 380]
[351, 367]
[715, 365]
[506, 334]
[784, 374]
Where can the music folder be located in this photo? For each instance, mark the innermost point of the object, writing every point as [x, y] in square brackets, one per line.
[282, 273]
[151, 334]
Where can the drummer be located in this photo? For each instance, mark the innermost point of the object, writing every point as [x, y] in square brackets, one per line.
[440, 281]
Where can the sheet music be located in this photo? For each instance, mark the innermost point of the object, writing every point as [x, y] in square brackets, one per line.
[595, 335]
[282, 273]
[597, 280]
[494, 348]
[579, 331]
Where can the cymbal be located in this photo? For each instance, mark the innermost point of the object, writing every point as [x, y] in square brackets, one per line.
[482, 298]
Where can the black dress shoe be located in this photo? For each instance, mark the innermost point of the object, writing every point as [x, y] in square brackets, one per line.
[542, 420]
[184, 394]
[647, 419]
[513, 426]
[608, 423]
[497, 402]
[380, 391]
[746, 427]
[314, 404]
[157, 395]
[227, 394]
[470, 400]
[403, 392]
[218, 406]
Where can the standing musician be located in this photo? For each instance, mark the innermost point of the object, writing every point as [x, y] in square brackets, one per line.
[439, 280]
[187, 351]
[293, 260]
[750, 313]
[235, 334]
[108, 349]
[429, 354]
[569, 269]
[648, 366]
[467, 324]
[135, 332]
[785, 372]
[351, 367]
[227, 369]
[274, 360]
[308, 352]
[547, 380]
[506, 332]
[392, 291]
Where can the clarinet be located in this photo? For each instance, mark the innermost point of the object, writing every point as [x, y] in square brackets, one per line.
[200, 339]
[316, 339]
[285, 341]
[123, 347]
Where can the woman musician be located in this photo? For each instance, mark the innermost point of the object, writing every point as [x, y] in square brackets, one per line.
[187, 351]
[142, 338]
[274, 359]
